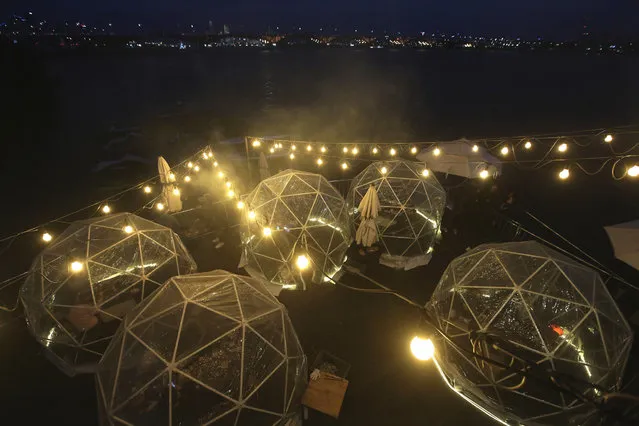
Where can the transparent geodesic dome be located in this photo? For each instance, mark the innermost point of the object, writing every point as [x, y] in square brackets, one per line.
[539, 306]
[412, 205]
[206, 349]
[295, 214]
[79, 287]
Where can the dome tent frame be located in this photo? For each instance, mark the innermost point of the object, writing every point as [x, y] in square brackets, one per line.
[122, 259]
[305, 215]
[217, 343]
[549, 310]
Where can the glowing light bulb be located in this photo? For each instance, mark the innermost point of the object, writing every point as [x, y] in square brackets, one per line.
[240, 205]
[215, 164]
[425, 173]
[46, 237]
[355, 151]
[344, 166]
[375, 150]
[272, 150]
[230, 193]
[392, 152]
[76, 266]
[475, 148]
[422, 349]
[345, 150]
[256, 143]
[210, 154]
[267, 232]
[220, 174]
[128, 229]
[504, 150]
[172, 177]
[528, 145]
[413, 150]
[383, 170]
[484, 174]
[176, 191]
[302, 262]
[292, 156]
[205, 155]
[251, 215]
[319, 161]
[564, 174]
[189, 165]
[309, 148]
[633, 171]
[147, 189]
[187, 178]
[293, 147]
[436, 152]
[608, 138]
[563, 147]
[106, 209]
[323, 149]
[228, 184]
[159, 206]
[196, 168]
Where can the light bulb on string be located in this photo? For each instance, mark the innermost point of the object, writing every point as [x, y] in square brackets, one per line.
[159, 206]
[633, 171]
[220, 174]
[392, 152]
[205, 156]
[46, 237]
[267, 232]
[437, 151]
[413, 150]
[291, 156]
[176, 191]
[187, 178]
[504, 150]
[302, 262]
[422, 349]
[323, 149]
[128, 229]
[228, 184]
[293, 147]
[425, 173]
[345, 150]
[383, 170]
[309, 148]
[528, 145]
[608, 138]
[564, 174]
[251, 215]
[355, 151]
[189, 165]
[256, 143]
[240, 205]
[196, 168]
[375, 151]
[147, 189]
[76, 266]
[562, 147]
[319, 161]
[272, 150]
[484, 174]
[211, 154]
[215, 164]
[106, 209]
[344, 165]
[172, 177]
[475, 148]
[230, 193]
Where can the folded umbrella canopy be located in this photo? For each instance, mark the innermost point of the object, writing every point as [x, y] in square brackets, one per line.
[459, 158]
[171, 197]
[624, 238]
[369, 208]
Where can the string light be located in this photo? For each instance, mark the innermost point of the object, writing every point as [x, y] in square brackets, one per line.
[484, 174]
[344, 165]
[76, 266]
[220, 174]
[293, 147]
[422, 349]
[345, 150]
[302, 262]
[230, 193]
[240, 205]
[210, 154]
[633, 171]
[251, 215]
[323, 149]
[272, 150]
[189, 165]
[147, 189]
[504, 150]
[176, 191]
[228, 184]
[46, 237]
[319, 161]
[392, 152]
[528, 145]
[172, 177]
[608, 138]
[309, 148]
[106, 209]
[355, 151]
[383, 170]
[267, 232]
[196, 168]
[128, 229]
[413, 150]
[159, 206]
[436, 152]
[205, 156]
[375, 151]
[215, 164]
[475, 148]
[256, 143]
[564, 174]
[187, 178]
[425, 173]
[563, 147]
[292, 156]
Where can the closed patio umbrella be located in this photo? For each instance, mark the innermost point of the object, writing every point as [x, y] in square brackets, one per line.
[369, 207]
[171, 197]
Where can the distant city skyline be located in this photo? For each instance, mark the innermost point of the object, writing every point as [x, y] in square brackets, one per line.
[545, 18]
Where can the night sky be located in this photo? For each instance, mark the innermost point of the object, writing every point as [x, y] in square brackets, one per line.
[526, 18]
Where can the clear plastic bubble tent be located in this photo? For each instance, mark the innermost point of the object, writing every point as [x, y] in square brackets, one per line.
[208, 348]
[303, 215]
[79, 287]
[547, 309]
[412, 205]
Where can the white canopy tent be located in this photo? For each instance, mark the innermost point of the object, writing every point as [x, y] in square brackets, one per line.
[458, 158]
[624, 238]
